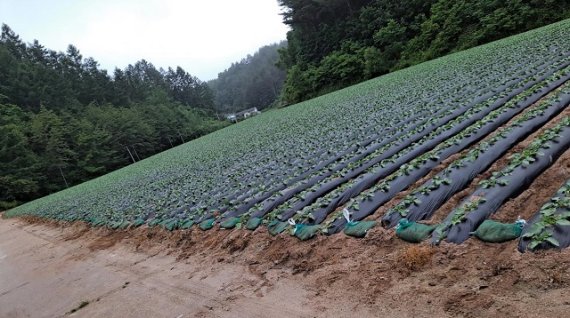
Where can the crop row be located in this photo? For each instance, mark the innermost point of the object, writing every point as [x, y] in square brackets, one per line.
[491, 193]
[289, 161]
[550, 227]
[366, 203]
[424, 201]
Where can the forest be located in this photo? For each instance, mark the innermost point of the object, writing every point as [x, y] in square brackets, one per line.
[63, 120]
[335, 43]
[255, 81]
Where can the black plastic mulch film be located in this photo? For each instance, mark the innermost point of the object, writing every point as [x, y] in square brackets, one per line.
[248, 205]
[270, 203]
[521, 171]
[549, 227]
[429, 197]
[404, 181]
[426, 112]
[369, 205]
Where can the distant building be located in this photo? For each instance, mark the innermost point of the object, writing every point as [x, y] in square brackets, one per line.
[243, 114]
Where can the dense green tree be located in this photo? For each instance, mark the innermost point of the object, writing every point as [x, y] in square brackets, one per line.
[255, 81]
[18, 162]
[187, 89]
[63, 120]
[337, 43]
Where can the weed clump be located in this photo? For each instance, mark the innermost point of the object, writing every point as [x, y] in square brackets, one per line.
[416, 257]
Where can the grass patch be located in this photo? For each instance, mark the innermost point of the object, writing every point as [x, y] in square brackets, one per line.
[416, 257]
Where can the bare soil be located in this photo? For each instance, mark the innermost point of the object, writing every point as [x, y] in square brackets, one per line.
[48, 269]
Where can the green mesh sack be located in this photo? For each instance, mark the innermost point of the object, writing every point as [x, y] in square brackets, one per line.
[305, 232]
[138, 222]
[187, 224]
[496, 232]
[98, 222]
[276, 227]
[413, 232]
[207, 224]
[170, 224]
[358, 229]
[124, 225]
[154, 222]
[230, 223]
[253, 224]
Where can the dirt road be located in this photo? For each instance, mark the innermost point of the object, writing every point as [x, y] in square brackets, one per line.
[54, 270]
[46, 273]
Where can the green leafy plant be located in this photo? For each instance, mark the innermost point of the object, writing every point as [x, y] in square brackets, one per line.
[554, 213]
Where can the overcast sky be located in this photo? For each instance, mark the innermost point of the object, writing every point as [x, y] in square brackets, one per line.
[204, 37]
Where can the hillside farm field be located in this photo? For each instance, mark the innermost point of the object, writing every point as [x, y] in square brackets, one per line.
[474, 128]
[441, 190]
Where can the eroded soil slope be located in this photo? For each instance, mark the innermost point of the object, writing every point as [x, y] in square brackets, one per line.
[50, 269]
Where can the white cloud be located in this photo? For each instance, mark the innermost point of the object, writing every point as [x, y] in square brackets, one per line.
[204, 37]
